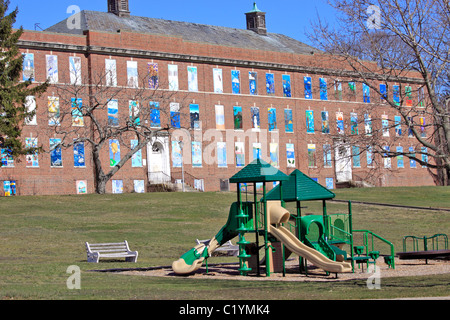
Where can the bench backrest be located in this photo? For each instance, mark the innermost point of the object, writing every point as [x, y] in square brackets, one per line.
[107, 247]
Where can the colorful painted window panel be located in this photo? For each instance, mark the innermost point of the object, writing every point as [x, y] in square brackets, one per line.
[194, 111]
[113, 113]
[117, 186]
[32, 160]
[155, 115]
[192, 79]
[79, 159]
[312, 156]
[356, 157]
[256, 150]
[338, 90]
[218, 80]
[308, 87]
[239, 151]
[412, 154]
[53, 111]
[325, 122]
[272, 117]
[132, 74]
[114, 152]
[354, 123]
[136, 158]
[153, 78]
[329, 183]
[290, 155]
[253, 82]
[75, 70]
[309, 121]
[387, 160]
[286, 81]
[323, 89]
[423, 132]
[9, 188]
[28, 71]
[367, 124]
[175, 115]
[237, 116]
[408, 96]
[270, 84]
[55, 153]
[327, 161]
[396, 94]
[52, 68]
[424, 156]
[6, 157]
[173, 77]
[273, 148]
[196, 154]
[222, 154]
[220, 117]
[255, 118]
[77, 112]
[177, 155]
[111, 72]
[134, 111]
[236, 81]
[369, 156]
[366, 93]
[288, 121]
[30, 105]
[385, 125]
[139, 186]
[398, 126]
[340, 122]
[400, 162]
[383, 92]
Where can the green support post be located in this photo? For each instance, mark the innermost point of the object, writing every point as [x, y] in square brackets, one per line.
[266, 235]
[256, 216]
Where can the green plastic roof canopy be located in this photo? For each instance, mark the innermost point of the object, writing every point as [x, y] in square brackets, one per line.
[300, 187]
[258, 171]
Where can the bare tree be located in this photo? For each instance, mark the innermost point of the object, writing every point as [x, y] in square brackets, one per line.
[399, 50]
[90, 114]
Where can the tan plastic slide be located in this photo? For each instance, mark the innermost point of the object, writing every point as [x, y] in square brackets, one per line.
[277, 215]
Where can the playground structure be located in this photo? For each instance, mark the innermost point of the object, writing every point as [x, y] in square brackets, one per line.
[438, 249]
[319, 239]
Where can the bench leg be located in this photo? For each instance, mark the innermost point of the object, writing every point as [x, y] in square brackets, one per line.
[93, 258]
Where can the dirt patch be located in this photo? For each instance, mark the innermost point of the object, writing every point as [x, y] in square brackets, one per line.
[230, 271]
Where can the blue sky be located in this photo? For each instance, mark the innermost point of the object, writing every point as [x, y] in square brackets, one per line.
[289, 17]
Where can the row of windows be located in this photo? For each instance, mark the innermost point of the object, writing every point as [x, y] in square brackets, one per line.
[152, 81]
[199, 156]
[195, 123]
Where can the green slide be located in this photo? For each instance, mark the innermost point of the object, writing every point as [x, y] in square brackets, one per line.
[192, 260]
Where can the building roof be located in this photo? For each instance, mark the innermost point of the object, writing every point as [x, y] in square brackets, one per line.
[192, 32]
[258, 171]
[300, 187]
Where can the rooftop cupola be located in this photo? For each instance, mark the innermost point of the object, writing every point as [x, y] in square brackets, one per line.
[256, 20]
[119, 7]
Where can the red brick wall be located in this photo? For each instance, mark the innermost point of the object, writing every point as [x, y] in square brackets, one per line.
[47, 180]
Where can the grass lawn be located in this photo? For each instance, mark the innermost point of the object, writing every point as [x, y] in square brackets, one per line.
[42, 236]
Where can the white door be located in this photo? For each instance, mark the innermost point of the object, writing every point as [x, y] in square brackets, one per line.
[343, 162]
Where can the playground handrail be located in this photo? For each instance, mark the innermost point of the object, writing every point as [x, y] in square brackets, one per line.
[425, 239]
[374, 235]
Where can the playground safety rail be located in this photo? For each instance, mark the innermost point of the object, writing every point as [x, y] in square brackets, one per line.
[366, 233]
[434, 239]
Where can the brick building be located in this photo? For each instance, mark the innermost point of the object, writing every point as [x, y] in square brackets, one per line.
[239, 94]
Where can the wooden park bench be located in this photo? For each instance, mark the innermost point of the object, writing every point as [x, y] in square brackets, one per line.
[95, 251]
[227, 249]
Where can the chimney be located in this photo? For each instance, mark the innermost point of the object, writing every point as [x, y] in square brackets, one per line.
[119, 8]
[256, 20]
